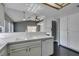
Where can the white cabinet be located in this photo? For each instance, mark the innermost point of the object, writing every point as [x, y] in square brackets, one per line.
[74, 40]
[25, 49]
[63, 24]
[63, 38]
[29, 51]
[3, 52]
[19, 52]
[69, 31]
[73, 31]
[63, 31]
[43, 47]
[35, 51]
[47, 47]
[73, 22]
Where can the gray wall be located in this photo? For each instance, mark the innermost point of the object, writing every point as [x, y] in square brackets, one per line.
[22, 26]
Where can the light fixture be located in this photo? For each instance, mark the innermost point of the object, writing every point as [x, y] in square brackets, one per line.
[33, 18]
[39, 18]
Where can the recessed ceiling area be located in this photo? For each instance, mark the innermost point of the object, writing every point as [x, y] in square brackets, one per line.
[57, 6]
[15, 10]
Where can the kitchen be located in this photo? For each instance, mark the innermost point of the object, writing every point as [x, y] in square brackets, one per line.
[26, 29]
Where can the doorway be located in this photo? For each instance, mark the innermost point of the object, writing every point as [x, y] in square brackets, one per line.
[54, 29]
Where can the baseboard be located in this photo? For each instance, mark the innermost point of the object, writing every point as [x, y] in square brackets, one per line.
[70, 49]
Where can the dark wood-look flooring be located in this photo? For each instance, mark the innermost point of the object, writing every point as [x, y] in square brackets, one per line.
[62, 51]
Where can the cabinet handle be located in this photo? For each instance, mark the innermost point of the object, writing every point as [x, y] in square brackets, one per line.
[29, 49]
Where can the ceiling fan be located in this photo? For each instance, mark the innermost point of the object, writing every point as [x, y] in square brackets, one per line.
[33, 17]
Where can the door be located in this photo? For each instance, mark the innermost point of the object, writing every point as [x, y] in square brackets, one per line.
[35, 51]
[47, 47]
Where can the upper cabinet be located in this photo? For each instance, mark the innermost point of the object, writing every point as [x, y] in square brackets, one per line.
[63, 24]
[63, 31]
[73, 22]
[73, 33]
[2, 18]
[69, 31]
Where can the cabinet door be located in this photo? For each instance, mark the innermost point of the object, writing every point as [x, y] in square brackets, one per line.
[35, 51]
[74, 31]
[74, 40]
[19, 52]
[63, 31]
[63, 38]
[47, 47]
[24, 49]
[63, 23]
[4, 52]
[74, 22]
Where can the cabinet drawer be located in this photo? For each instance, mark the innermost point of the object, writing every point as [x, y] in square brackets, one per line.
[24, 44]
[26, 51]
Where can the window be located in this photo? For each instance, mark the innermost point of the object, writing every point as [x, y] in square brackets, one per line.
[31, 28]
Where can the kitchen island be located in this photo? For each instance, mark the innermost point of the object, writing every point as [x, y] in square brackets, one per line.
[34, 46]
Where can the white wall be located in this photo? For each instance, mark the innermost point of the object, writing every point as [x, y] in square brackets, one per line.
[47, 25]
[1, 15]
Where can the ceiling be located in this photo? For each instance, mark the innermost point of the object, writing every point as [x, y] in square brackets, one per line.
[15, 10]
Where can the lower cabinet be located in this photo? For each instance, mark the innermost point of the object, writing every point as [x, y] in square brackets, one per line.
[25, 49]
[19, 52]
[30, 51]
[35, 51]
[47, 47]
[3, 52]
[42, 47]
